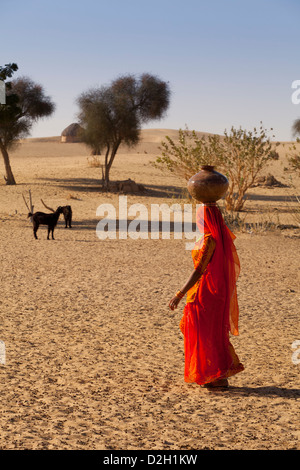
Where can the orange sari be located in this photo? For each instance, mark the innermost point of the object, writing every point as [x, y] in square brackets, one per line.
[211, 311]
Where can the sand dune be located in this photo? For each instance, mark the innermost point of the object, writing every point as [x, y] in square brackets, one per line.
[94, 358]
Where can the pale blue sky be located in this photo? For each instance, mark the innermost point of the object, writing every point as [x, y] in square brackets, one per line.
[228, 62]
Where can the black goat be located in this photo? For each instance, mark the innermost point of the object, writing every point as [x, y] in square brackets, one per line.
[67, 211]
[40, 218]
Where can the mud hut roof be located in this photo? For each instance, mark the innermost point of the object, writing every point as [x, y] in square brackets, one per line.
[71, 130]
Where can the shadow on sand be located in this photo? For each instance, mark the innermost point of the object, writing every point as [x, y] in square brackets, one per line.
[141, 226]
[261, 392]
[152, 190]
[272, 197]
[95, 185]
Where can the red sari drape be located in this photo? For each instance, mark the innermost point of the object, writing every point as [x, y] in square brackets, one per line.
[212, 311]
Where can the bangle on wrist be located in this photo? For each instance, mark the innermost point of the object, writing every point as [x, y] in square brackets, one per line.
[179, 294]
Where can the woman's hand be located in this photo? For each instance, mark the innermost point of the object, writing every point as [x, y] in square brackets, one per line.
[174, 302]
[194, 277]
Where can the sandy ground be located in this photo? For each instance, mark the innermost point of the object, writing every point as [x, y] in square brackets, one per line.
[94, 357]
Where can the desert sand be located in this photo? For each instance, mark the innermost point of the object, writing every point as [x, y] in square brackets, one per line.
[94, 357]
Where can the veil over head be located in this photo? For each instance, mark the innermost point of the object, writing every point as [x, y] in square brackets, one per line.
[224, 267]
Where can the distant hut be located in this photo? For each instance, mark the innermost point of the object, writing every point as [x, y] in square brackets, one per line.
[72, 133]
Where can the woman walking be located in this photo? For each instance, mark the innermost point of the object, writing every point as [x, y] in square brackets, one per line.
[211, 311]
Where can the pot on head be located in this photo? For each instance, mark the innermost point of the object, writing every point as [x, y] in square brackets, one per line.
[208, 185]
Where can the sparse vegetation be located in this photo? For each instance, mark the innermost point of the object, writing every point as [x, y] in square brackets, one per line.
[296, 127]
[293, 168]
[293, 157]
[26, 102]
[240, 154]
[94, 161]
[113, 114]
[185, 157]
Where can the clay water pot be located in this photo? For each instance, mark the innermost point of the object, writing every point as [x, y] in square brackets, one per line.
[208, 185]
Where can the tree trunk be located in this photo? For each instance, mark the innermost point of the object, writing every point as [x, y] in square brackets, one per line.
[106, 178]
[106, 170]
[9, 174]
[109, 162]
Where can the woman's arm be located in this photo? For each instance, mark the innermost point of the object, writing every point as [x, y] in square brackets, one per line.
[194, 277]
[204, 257]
